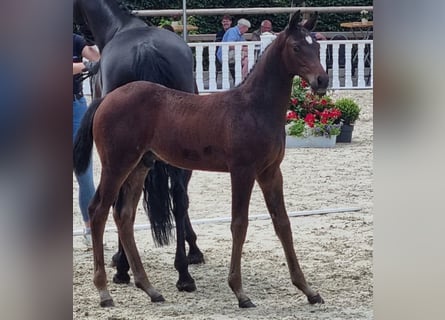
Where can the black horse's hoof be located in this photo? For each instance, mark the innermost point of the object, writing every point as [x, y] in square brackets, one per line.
[121, 278]
[246, 304]
[159, 298]
[186, 286]
[315, 299]
[196, 258]
[107, 303]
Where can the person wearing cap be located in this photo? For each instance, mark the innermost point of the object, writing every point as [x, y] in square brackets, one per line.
[235, 34]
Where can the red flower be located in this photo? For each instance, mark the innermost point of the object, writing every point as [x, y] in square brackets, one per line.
[310, 119]
[291, 115]
[304, 83]
[323, 102]
[294, 101]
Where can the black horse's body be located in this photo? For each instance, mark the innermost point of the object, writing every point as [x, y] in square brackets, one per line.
[131, 50]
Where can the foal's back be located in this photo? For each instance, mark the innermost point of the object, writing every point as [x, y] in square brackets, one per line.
[197, 132]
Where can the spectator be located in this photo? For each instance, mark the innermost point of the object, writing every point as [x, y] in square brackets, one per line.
[266, 26]
[236, 34]
[226, 23]
[316, 35]
[85, 181]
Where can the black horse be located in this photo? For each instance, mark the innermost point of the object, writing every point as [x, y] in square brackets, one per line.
[131, 50]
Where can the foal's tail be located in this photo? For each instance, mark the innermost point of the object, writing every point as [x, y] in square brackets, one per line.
[83, 144]
[165, 195]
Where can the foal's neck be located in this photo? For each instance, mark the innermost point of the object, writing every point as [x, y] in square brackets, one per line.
[269, 85]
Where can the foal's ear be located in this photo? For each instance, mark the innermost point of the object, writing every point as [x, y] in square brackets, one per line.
[310, 23]
[295, 21]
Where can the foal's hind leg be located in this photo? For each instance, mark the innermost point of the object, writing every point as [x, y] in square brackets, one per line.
[98, 211]
[124, 215]
[271, 183]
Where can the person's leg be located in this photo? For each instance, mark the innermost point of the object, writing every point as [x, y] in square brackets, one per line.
[86, 193]
[85, 180]
[245, 65]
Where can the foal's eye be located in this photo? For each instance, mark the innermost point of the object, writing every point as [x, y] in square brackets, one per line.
[296, 48]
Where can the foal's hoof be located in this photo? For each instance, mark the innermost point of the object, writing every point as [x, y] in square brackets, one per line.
[107, 303]
[196, 258]
[246, 304]
[315, 299]
[121, 278]
[159, 298]
[186, 286]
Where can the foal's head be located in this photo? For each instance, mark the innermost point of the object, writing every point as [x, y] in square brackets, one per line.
[302, 53]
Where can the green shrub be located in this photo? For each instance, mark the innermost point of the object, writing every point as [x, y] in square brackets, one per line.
[349, 110]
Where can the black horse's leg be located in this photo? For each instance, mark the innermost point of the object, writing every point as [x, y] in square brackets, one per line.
[195, 255]
[120, 261]
[178, 190]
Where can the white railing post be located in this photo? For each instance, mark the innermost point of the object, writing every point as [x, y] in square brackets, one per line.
[225, 67]
[212, 67]
[238, 67]
[323, 49]
[335, 68]
[361, 65]
[348, 66]
[266, 39]
[199, 77]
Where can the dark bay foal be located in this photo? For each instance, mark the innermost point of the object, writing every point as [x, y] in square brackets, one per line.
[141, 122]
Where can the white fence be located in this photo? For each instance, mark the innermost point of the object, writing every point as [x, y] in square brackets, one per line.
[349, 63]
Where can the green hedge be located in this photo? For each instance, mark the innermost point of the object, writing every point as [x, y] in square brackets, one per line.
[210, 24]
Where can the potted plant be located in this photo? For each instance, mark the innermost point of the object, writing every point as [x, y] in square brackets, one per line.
[364, 15]
[311, 120]
[349, 114]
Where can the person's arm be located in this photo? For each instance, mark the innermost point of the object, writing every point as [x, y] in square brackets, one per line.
[230, 36]
[90, 53]
[78, 67]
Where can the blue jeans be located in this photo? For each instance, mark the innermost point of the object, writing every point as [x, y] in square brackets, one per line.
[85, 180]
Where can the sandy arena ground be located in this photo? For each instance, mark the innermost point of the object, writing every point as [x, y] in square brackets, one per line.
[334, 250]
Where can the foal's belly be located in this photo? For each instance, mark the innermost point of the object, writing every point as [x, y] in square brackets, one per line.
[208, 157]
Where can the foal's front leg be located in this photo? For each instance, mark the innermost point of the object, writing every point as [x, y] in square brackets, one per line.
[271, 183]
[242, 183]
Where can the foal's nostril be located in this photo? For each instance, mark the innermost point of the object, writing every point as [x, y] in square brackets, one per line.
[323, 81]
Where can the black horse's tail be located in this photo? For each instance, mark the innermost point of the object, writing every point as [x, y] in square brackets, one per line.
[157, 203]
[83, 143]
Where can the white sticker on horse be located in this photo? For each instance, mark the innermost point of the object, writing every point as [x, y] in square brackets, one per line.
[309, 39]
